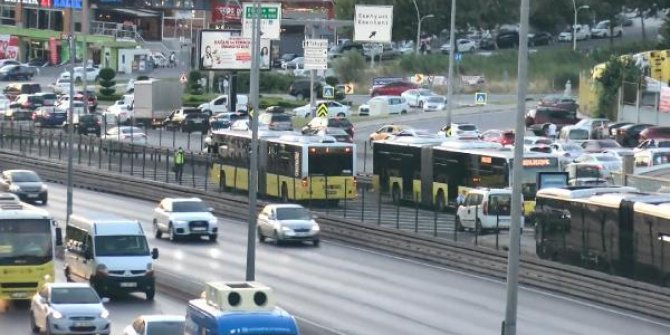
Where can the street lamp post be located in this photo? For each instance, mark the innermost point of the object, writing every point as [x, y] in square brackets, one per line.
[574, 26]
[418, 30]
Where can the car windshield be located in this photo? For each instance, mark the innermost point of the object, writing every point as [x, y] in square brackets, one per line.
[25, 177]
[436, 99]
[121, 245]
[292, 213]
[165, 328]
[339, 123]
[189, 207]
[609, 144]
[572, 147]
[467, 127]
[281, 118]
[603, 25]
[287, 57]
[74, 295]
[607, 158]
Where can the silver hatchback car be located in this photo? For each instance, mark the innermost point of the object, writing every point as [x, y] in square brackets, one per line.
[69, 308]
[287, 222]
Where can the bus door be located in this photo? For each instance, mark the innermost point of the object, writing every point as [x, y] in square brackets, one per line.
[408, 173]
[262, 166]
[426, 183]
[627, 248]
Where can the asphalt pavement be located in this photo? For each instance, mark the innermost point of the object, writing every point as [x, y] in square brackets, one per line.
[342, 289]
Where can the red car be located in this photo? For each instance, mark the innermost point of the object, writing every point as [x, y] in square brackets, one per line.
[504, 137]
[655, 133]
[92, 100]
[394, 88]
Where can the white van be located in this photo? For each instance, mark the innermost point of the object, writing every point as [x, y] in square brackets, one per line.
[111, 253]
[485, 209]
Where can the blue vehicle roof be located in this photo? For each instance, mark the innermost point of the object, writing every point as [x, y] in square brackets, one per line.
[266, 322]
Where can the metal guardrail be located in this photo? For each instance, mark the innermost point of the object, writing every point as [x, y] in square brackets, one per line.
[591, 285]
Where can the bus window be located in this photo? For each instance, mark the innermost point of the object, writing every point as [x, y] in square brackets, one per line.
[331, 164]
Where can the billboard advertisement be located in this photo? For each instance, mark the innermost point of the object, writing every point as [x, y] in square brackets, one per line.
[227, 50]
[9, 47]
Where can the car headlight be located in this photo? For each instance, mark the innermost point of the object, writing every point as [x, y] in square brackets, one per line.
[315, 227]
[181, 222]
[286, 229]
[56, 314]
[14, 188]
[213, 221]
[44, 188]
[104, 314]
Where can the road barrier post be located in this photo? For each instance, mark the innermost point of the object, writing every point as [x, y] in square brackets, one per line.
[477, 224]
[365, 157]
[379, 207]
[99, 153]
[167, 166]
[188, 141]
[144, 159]
[325, 192]
[435, 223]
[193, 168]
[39, 143]
[310, 193]
[397, 215]
[497, 226]
[2, 135]
[11, 136]
[91, 140]
[345, 199]
[455, 229]
[416, 212]
[155, 154]
[109, 155]
[120, 156]
[132, 159]
[174, 138]
[207, 167]
[202, 139]
[79, 150]
[20, 139]
[60, 138]
[160, 137]
[363, 190]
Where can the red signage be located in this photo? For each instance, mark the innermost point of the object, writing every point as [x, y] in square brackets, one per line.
[226, 12]
[53, 51]
[664, 103]
[9, 47]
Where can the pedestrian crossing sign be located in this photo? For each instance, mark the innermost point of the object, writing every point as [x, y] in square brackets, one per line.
[328, 92]
[322, 110]
[480, 99]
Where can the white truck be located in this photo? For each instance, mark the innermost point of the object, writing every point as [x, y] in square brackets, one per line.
[220, 104]
[155, 100]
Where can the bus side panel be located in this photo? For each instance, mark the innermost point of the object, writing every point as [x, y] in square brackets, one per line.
[29, 279]
[237, 177]
[215, 173]
[626, 238]
[316, 188]
[425, 188]
[262, 167]
[416, 188]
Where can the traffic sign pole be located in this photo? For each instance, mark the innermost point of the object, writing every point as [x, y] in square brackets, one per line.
[452, 43]
[312, 77]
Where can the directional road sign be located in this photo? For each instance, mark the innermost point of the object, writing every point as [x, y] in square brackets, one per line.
[349, 88]
[322, 110]
[316, 54]
[328, 92]
[270, 20]
[418, 78]
[373, 23]
[480, 99]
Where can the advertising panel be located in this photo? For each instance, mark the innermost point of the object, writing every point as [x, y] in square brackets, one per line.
[9, 47]
[227, 50]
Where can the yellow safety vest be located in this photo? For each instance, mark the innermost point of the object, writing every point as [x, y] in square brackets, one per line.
[179, 157]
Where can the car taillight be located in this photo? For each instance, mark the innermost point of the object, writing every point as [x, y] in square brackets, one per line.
[485, 208]
[34, 116]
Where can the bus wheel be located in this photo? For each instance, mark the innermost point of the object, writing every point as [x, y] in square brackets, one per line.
[395, 194]
[440, 204]
[284, 193]
[459, 226]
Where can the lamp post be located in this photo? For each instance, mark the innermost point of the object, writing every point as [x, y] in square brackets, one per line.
[574, 26]
[418, 29]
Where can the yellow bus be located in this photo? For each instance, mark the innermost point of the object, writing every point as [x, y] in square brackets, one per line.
[434, 171]
[291, 166]
[28, 237]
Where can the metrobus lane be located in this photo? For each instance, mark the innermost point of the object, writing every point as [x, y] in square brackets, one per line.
[343, 289]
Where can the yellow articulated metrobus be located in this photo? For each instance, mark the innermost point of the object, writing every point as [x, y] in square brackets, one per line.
[291, 166]
[434, 171]
[28, 237]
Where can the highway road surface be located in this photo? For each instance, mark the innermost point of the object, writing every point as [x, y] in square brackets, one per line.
[353, 290]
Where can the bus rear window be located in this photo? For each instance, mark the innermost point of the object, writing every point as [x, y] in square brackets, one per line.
[331, 164]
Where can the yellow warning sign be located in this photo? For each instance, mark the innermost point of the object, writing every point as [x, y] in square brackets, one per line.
[349, 88]
[251, 112]
[418, 78]
[322, 110]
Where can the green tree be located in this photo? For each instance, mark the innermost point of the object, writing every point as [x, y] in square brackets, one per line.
[617, 71]
[194, 85]
[107, 81]
[350, 67]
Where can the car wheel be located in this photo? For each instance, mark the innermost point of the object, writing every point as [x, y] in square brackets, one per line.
[341, 115]
[44, 199]
[478, 227]
[459, 226]
[316, 242]
[213, 238]
[171, 233]
[150, 294]
[261, 237]
[158, 234]
[421, 104]
[33, 326]
[403, 112]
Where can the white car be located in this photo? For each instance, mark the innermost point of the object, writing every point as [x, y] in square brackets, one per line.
[4, 103]
[92, 74]
[583, 32]
[483, 209]
[462, 45]
[417, 97]
[607, 162]
[434, 103]
[566, 151]
[602, 30]
[294, 63]
[220, 104]
[182, 217]
[156, 325]
[392, 104]
[287, 222]
[118, 113]
[461, 130]
[126, 134]
[62, 308]
[535, 140]
[61, 86]
[335, 109]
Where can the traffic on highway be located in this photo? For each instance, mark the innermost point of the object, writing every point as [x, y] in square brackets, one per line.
[307, 168]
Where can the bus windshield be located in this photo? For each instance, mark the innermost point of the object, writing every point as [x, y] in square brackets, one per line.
[334, 164]
[121, 245]
[25, 242]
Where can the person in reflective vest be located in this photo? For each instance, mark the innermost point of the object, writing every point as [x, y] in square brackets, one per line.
[179, 164]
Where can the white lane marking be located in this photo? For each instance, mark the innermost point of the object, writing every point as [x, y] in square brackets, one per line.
[318, 325]
[497, 281]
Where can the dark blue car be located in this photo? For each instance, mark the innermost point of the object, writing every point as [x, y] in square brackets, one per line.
[49, 117]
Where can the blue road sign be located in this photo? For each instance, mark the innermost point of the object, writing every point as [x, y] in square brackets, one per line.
[328, 92]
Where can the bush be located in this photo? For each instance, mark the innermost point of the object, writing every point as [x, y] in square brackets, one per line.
[194, 82]
[271, 82]
[107, 82]
[350, 67]
[142, 77]
[332, 80]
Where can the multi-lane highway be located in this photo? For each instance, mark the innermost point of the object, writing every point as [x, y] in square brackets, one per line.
[342, 289]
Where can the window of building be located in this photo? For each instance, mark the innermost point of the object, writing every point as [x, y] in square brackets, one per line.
[44, 19]
[7, 15]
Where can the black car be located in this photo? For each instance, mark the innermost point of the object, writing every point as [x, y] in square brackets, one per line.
[17, 72]
[629, 135]
[487, 43]
[300, 90]
[507, 39]
[224, 120]
[89, 124]
[26, 184]
[540, 38]
[195, 122]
